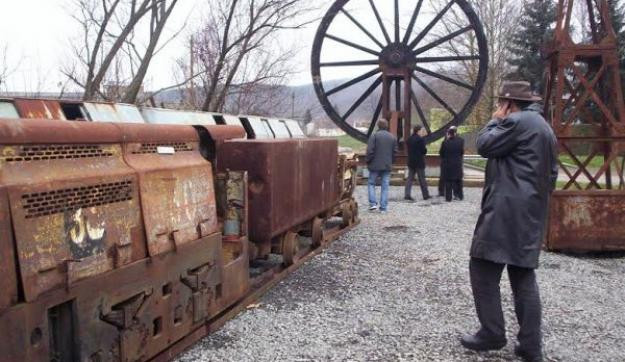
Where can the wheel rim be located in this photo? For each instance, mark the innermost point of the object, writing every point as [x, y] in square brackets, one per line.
[404, 52]
[317, 231]
[346, 211]
[290, 248]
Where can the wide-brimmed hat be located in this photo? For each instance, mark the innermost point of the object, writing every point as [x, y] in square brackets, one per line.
[518, 90]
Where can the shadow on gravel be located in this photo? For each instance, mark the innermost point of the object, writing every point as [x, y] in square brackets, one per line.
[595, 255]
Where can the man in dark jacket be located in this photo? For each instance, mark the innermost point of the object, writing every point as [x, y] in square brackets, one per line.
[381, 151]
[520, 175]
[415, 145]
[452, 153]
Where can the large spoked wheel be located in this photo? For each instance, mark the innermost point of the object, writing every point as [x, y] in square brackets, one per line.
[435, 57]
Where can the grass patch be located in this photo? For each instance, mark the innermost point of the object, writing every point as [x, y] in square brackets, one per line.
[354, 144]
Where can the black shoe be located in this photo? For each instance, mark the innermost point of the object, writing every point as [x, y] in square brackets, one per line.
[527, 356]
[427, 198]
[476, 343]
[408, 198]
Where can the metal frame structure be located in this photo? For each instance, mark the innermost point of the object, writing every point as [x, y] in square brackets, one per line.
[585, 101]
[399, 66]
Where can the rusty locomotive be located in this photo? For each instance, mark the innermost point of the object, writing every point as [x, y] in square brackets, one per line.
[126, 242]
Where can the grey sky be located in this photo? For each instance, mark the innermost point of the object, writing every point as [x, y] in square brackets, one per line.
[38, 33]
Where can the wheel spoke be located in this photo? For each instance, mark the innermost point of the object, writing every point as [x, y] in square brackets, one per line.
[443, 39]
[398, 95]
[362, 98]
[445, 78]
[429, 27]
[353, 81]
[379, 19]
[396, 21]
[350, 63]
[353, 45]
[424, 121]
[434, 95]
[374, 120]
[364, 30]
[447, 59]
[412, 22]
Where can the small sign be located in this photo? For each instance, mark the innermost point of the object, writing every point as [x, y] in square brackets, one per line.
[165, 150]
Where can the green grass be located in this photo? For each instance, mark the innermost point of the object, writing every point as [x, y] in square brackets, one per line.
[354, 144]
[595, 163]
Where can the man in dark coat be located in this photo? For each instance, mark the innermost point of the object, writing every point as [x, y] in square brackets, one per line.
[381, 151]
[520, 175]
[452, 153]
[415, 146]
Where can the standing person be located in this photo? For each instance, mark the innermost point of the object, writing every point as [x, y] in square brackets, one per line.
[520, 175]
[415, 145]
[452, 153]
[381, 151]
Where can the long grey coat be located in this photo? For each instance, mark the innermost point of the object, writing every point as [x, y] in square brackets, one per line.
[381, 151]
[521, 173]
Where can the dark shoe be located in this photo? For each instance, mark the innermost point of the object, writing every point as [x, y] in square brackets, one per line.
[527, 356]
[476, 343]
[408, 198]
[427, 198]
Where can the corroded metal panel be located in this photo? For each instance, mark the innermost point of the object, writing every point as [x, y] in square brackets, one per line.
[8, 271]
[172, 116]
[74, 202]
[130, 314]
[256, 127]
[128, 113]
[176, 182]
[8, 110]
[279, 128]
[586, 221]
[39, 108]
[294, 129]
[102, 112]
[290, 181]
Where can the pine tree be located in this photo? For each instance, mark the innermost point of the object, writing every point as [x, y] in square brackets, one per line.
[617, 15]
[535, 27]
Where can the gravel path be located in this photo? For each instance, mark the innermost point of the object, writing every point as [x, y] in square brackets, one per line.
[396, 289]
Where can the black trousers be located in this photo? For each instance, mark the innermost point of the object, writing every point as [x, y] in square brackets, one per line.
[453, 188]
[485, 279]
[420, 172]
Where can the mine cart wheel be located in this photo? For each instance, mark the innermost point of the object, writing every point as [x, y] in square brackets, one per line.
[354, 207]
[346, 212]
[317, 231]
[290, 248]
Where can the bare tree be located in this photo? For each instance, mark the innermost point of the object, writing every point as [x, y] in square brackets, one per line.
[107, 27]
[4, 65]
[499, 21]
[234, 34]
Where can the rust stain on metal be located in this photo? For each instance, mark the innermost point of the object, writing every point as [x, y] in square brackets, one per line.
[587, 221]
[291, 181]
[587, 111]
[39, 108]
[176, 183]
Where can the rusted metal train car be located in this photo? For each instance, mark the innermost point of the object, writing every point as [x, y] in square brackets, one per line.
[122, 240]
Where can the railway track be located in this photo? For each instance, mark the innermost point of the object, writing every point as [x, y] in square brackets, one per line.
[260, 284]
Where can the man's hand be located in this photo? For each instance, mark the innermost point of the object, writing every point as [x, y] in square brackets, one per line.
[502, 111]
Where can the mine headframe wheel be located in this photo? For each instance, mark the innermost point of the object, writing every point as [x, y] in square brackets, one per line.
[409, 54]
[290, 248]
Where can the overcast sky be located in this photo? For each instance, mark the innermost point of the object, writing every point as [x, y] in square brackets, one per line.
[38, 34]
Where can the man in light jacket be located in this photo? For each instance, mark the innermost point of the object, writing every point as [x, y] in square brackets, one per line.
[381, 151]
[520, 175]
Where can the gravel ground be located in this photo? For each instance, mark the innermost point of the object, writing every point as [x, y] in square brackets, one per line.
[396, 288]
